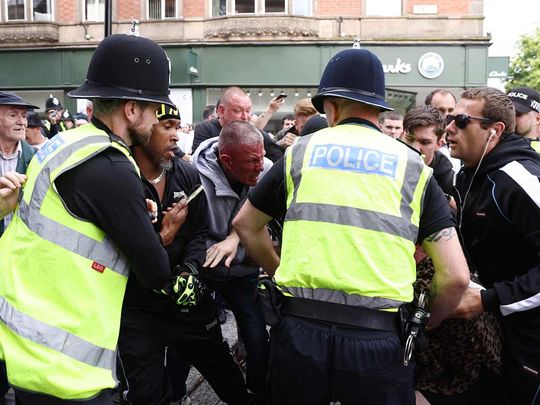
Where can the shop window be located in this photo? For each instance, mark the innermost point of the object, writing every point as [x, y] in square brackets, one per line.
[383, 8]
[94, 10]
[232, 7]
[41, 10]
[161, 9]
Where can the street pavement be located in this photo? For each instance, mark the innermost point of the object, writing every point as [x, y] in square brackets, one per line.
[199, 390]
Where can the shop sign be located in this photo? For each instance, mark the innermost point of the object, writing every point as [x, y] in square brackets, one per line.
[431, 65]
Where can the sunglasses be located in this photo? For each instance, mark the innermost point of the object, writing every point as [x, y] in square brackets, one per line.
[462, 120]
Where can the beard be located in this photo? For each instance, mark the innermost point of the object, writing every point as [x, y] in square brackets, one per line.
[139, 135]
[166, 165]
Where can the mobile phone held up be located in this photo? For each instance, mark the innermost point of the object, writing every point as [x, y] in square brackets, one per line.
[281, 96]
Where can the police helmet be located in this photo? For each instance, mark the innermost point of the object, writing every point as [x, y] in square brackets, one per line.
[127, 67]
[52, 103]
[66, 116]
[354, 74]
[165, 112]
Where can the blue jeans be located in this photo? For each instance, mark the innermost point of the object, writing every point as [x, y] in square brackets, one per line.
[240, 294]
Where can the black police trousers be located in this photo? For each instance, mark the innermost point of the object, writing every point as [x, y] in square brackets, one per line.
[144, 378]
[315, 362]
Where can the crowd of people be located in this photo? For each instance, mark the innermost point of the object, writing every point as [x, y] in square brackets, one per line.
[119, 248]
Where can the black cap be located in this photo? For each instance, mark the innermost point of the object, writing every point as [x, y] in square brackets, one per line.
[33, 120]
[165, 112]
[525, 99]
[10, 98]
[127, 67]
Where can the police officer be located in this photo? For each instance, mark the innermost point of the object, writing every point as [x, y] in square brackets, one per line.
[526, 101]
[81, 223]
[355, 203]
[54, 112]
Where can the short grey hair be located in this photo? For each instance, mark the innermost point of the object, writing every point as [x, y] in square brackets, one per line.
[238, 133]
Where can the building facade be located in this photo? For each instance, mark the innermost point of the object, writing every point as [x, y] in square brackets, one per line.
[265, 46]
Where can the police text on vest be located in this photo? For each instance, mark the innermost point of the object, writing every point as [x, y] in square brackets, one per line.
[354, 159]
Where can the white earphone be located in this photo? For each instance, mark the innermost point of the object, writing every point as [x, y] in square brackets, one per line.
[491, 134]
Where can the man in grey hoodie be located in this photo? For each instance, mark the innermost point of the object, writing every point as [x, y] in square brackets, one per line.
[228, 166]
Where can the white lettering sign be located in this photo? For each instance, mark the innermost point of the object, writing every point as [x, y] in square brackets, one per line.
[398, 67]
[494, 73]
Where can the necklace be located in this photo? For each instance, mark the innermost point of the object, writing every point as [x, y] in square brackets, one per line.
[158, 178]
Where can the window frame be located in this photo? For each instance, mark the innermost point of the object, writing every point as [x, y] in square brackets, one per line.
[6, 12]
[85, 16]
[400, 14]
[176, 11]
[51, 2]
[259, 7]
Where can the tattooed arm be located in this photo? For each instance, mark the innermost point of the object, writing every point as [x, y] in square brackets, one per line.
[451, 277]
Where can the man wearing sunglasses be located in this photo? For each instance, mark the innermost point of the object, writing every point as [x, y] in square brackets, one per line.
[498, 195]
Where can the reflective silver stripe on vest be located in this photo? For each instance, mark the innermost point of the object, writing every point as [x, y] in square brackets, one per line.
[55, 338]
[104, 253]
[340, 297]
[361, 218]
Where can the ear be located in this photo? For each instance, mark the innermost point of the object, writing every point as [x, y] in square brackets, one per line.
[220, 110]
[225, 160]
[495, 133]
[130, 109]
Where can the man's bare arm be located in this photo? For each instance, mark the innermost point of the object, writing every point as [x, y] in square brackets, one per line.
[451, 277]
[250, 223]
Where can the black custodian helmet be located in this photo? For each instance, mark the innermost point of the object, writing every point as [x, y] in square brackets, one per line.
[127, 67]
[355, 74]
[52, 103]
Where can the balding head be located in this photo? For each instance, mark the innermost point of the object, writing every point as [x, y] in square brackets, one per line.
[235, 105]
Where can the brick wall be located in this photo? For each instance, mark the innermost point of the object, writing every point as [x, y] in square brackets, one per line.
[355, 7]
[341, 8]
[194, 8]
[444, 7]
[67, 11]
[128, 9]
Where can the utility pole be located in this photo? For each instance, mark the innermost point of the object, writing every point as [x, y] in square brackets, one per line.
[108, 17]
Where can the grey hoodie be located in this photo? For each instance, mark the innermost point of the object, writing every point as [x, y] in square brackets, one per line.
[223, 204]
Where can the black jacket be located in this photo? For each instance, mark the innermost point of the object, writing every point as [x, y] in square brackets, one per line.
[210, 129]
[189, 247]
[500, 230]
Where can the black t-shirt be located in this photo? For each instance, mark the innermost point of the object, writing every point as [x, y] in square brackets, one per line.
[443, 172]
[270, 196]
[106, 191]
[205, 130]
[210, 129]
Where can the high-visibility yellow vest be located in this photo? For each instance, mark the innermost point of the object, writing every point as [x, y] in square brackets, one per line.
[354, 199]
[535, 144]
[62, 281]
